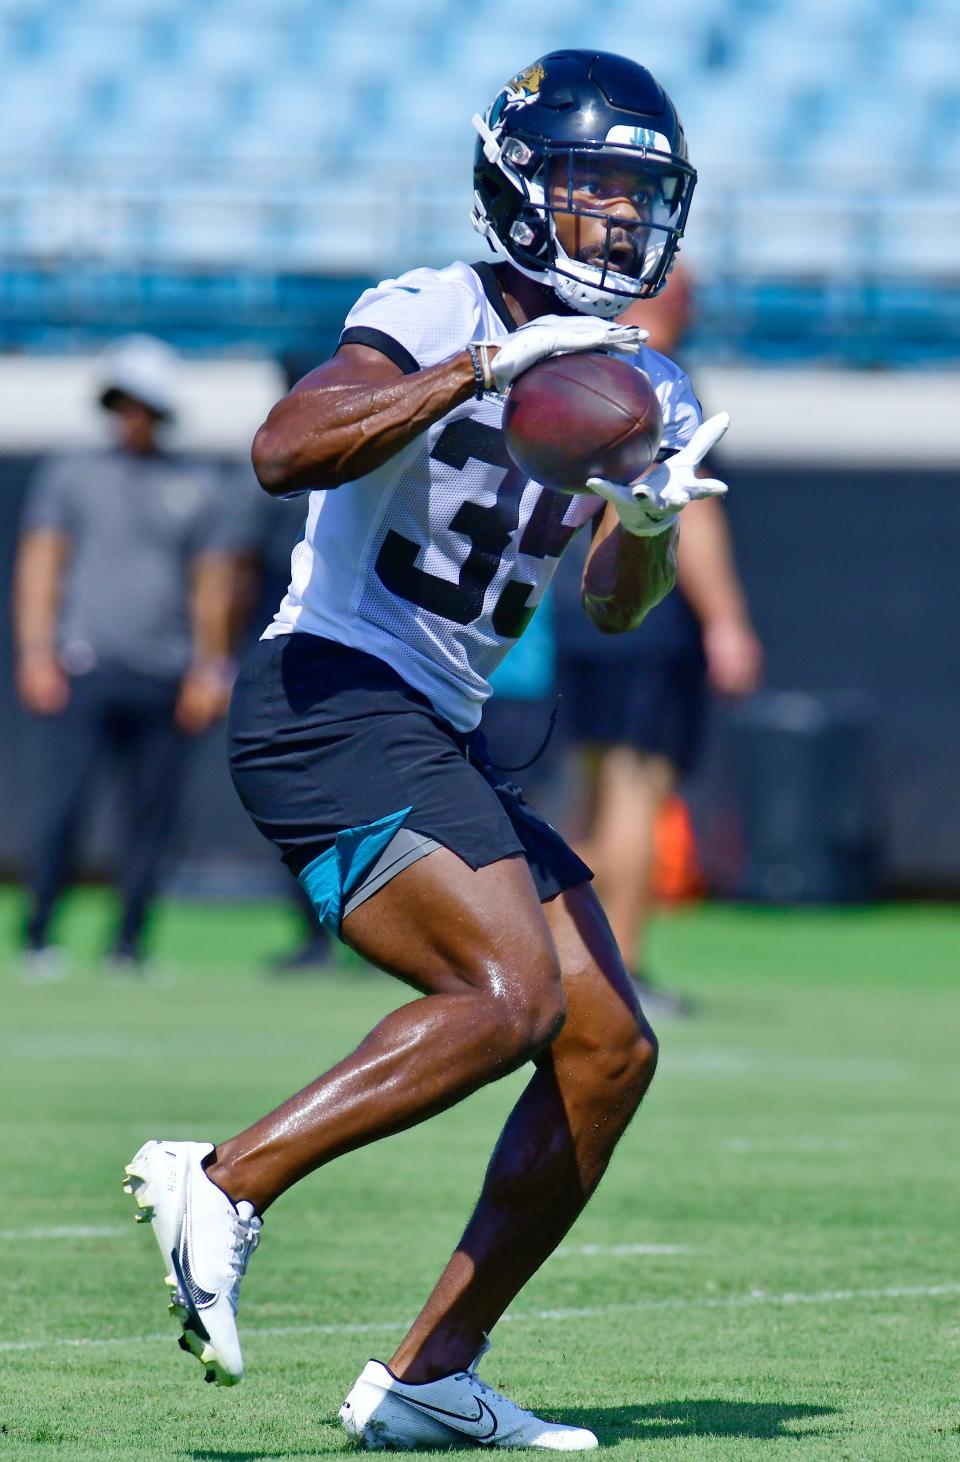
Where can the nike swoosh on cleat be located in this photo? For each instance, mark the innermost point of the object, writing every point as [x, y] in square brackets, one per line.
[464, 1423]
[195, 1291]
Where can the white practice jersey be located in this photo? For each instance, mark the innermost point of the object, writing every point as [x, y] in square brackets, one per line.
[436, 561]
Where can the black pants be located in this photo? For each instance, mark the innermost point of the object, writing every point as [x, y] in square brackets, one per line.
[125, 721]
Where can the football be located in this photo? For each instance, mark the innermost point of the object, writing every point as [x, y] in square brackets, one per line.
[585, 415]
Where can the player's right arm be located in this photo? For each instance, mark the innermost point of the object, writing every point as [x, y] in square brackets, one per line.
[349, 416]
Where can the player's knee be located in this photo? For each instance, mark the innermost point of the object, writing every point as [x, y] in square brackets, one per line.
[640, 1061]
[545, 1017]
[623, 1063]
[537, 1019]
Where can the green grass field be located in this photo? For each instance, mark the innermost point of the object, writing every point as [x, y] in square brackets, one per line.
[770, 1270]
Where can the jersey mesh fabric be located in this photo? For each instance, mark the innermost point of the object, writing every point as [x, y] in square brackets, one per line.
[435, 561]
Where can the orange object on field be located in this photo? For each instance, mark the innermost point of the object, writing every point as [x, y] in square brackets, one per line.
[677, 875]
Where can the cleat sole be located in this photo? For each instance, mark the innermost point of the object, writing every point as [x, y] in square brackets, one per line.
[191, 1343]
[214, 1372]
[200, 1347]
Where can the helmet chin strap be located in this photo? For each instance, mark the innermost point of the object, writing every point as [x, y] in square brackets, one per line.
[570, 285]
[586, 299]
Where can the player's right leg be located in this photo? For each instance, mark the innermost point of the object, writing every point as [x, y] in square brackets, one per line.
[477, 943]
[473, 939]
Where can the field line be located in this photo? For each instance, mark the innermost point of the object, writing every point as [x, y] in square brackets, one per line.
[773, 1146]
[616, 1251]
[757, 1297]
[66, 1231]
[121, 1231]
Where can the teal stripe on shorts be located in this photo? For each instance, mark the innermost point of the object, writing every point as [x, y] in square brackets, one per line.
[333, 876]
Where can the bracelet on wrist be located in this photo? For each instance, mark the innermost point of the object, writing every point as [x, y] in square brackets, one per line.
[479, 354]
[489, 384]
[479, 379]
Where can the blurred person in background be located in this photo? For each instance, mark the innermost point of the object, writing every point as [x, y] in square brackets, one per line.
[635, 705]
[124, 587]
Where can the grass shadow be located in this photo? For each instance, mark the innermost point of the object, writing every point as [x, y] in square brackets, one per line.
[704, 1418]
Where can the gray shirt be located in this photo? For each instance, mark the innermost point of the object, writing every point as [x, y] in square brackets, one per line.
[135, 526]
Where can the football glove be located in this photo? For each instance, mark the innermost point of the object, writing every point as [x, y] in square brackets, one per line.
[654, 504]
[553, 335]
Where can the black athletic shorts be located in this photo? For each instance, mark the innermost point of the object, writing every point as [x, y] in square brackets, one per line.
[333, 753]
[660, 709]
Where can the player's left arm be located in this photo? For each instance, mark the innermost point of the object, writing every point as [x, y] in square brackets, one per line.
[632, 563]
[625, 576]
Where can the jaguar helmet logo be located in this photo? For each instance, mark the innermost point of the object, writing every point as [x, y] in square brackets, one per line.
[519, 91]
[529, 82]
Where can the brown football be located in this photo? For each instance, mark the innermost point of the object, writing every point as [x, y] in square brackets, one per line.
[586, 415]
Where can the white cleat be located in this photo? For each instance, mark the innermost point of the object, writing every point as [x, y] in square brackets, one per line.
[206, 1243]
[391, 1415]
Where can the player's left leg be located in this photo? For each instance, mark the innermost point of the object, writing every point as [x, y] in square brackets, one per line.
[551, 1156]
[554, 1149]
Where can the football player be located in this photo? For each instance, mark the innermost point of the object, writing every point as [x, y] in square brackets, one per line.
[355, 743]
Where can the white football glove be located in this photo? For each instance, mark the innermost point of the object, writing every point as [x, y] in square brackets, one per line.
[654, 504]
[554, 335]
